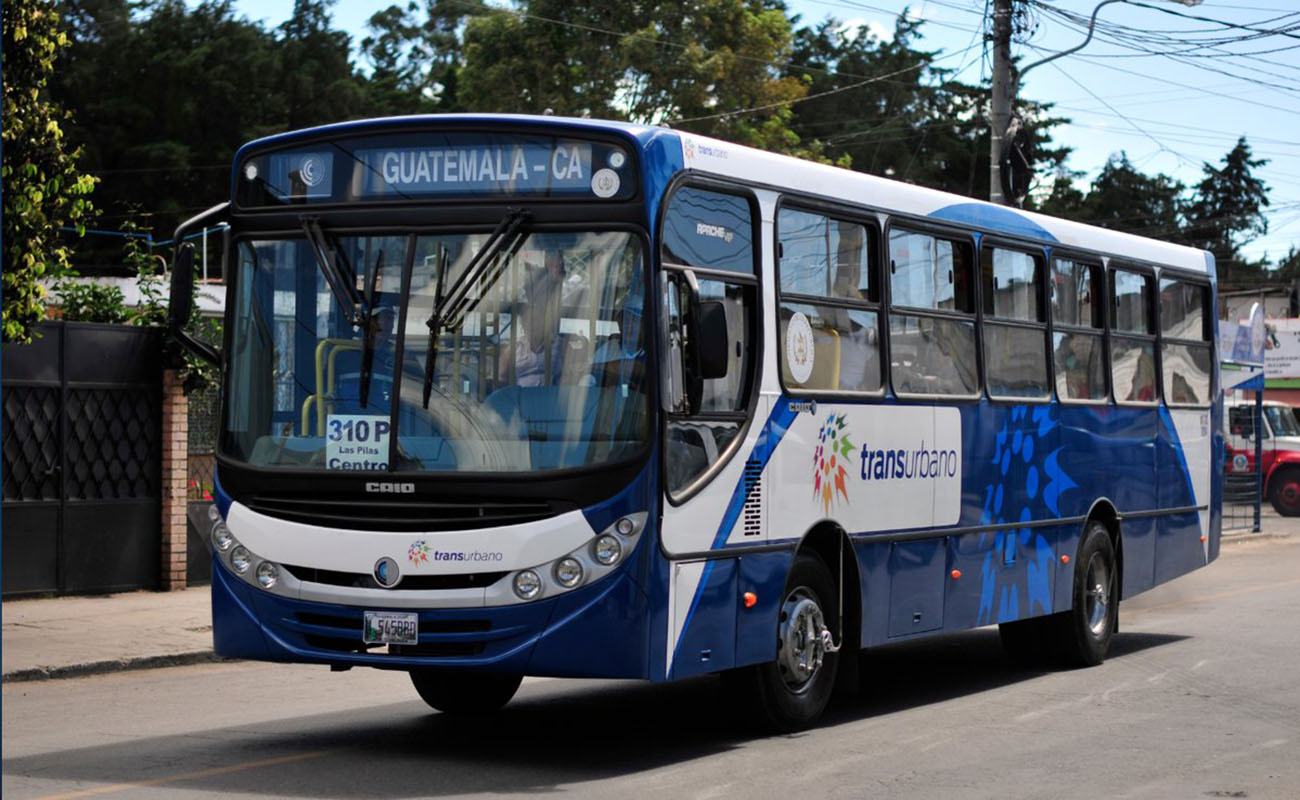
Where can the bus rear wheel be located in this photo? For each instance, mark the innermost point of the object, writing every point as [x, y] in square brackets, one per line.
[1084, 632]
[794, 690]
[1284, 492]
[466, 693]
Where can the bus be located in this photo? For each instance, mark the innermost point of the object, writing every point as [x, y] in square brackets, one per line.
[512, 396]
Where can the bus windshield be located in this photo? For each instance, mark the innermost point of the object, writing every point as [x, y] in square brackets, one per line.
[541, 365]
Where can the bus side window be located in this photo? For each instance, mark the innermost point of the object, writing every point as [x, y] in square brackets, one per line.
[1185, 353]
[1133, 341]
[932, 317]
[1077, 324]
[829, 331]
[711, 234]
[1015, 357]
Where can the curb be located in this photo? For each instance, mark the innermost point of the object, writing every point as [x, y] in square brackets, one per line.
[113, 665]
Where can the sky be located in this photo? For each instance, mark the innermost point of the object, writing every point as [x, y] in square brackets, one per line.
[1169, 111]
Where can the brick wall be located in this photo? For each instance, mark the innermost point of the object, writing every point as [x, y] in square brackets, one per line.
[175, 429]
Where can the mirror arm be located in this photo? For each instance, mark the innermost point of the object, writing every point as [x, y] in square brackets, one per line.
[184, 259]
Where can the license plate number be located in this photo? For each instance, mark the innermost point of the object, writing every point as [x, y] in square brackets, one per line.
[391, 627]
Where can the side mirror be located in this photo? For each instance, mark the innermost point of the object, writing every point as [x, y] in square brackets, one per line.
[712, 340]
[181, 304]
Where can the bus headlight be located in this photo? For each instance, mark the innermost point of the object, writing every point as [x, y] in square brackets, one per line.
[568, 572]
[240, 559]
[267, 574]
[625, 526]
[528, 584]
[607, 551]
[221, 536]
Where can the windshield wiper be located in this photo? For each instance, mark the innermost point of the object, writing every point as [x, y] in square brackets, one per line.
[358, 311]
[485, 267]
[333, 265]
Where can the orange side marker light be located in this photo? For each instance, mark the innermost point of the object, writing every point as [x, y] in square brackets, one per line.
[956, 574]
[750, 599]
[1065, 559]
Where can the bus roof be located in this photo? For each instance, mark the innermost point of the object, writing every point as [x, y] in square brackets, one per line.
[728, 160]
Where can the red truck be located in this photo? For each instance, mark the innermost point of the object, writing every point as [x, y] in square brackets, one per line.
[1280, 449]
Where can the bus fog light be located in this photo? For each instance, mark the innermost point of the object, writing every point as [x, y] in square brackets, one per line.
[267, 574]
[528, 584]
[568, 572]
[625, 526]
[240, 559]
[607, 550]
[221, 536]
[213, 513]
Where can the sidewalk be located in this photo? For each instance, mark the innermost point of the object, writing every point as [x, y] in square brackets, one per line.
[69, 636]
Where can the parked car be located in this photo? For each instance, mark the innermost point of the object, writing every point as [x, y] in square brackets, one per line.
[1279, 447]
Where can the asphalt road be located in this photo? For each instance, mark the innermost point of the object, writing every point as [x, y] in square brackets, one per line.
[1200, 698]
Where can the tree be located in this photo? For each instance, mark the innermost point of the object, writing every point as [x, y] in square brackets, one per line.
[44, 188]
[1125, 199]
[1227, 209]
[415, 65]
[711, 66]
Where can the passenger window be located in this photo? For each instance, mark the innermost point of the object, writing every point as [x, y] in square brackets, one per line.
[1015, 338]
[829, 321]
[1132, 343]
[1077, 319]
[932, 342]
[1185, 354]
[712, 232]
[1011, 284]
[1131, 302]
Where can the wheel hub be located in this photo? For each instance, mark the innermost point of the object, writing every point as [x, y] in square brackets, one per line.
[801, 638]
[1098, 593]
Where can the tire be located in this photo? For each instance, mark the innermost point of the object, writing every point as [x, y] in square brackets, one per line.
[1284, 492]
[1084, 632]
[465, 693]
[793, 690]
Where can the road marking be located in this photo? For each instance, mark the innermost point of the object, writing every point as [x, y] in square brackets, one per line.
[189, 776]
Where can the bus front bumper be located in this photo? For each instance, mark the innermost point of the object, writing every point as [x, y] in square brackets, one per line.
[596, 631]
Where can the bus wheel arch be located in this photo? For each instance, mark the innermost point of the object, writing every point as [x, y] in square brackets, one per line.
[1104, 512]
[831, 544]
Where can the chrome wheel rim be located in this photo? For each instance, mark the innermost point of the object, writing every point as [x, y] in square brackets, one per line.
[1097, 593]
[799, 639]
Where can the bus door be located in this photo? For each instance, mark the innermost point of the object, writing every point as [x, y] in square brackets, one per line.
[708, 341]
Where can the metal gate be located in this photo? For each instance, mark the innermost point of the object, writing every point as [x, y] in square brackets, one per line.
[82, 448]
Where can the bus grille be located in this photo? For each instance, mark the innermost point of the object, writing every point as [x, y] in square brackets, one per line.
[397, 515]
[409, 583]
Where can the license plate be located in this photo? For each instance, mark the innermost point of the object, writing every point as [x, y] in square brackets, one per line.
[391, 627]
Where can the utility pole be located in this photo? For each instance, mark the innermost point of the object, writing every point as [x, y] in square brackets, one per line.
[1004, 87]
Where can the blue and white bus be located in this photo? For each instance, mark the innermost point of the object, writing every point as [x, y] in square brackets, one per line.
[508, 396]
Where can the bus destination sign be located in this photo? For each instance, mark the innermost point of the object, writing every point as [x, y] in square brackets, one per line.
[520, 168]
[433, 166]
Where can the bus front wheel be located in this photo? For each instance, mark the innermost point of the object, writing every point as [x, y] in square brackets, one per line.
[465, 692]
[794, 689]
